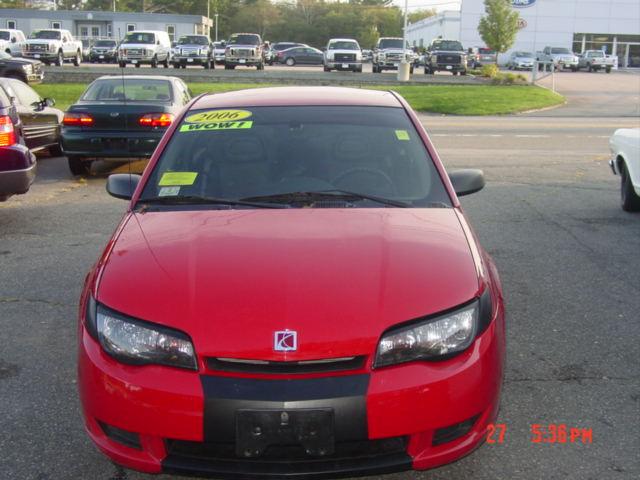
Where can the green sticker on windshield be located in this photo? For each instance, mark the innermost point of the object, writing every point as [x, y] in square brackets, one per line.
[402, 135]
[196, 127]
[177, 179]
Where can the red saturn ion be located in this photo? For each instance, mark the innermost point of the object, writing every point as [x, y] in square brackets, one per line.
[294, 291]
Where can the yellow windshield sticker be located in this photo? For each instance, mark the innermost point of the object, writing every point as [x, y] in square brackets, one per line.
[177, 179]
[402, 135]
[196, 127]
[218, 116]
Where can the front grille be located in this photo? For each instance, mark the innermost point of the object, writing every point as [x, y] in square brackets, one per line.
[133, 51]
[37, 47]
[345, 57]
[393, 57]
[449, 59]
[266, 367]
[242, 52]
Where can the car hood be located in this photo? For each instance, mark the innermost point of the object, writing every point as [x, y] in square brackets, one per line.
[22, 61]
[338, 277]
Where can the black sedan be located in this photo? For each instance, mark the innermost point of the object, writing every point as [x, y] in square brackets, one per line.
[18, 165]
[23, 69]
[301, 55]
[104, 51]
[118, 118]
[40, 122]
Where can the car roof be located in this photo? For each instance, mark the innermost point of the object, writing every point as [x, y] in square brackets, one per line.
[138, 77]
[343, 40]
[297, 96]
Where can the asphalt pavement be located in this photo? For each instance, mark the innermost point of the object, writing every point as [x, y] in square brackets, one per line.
[549, 215]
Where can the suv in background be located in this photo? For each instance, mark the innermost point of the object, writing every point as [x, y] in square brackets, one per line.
[53, 46]
[12, 41]
[193, 50]
[594, 60]
[244, 49]
[562, 58]
[389, 53]
[343, 54]
[447, 56]
[104, 51]
[145, 46]
[479, 56]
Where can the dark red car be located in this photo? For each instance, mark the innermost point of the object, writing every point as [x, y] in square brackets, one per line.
[293, 291]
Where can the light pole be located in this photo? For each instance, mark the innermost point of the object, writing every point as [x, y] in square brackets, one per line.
[216, 15]
[403, 68]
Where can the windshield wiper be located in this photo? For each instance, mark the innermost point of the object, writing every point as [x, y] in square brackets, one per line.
[204, 200]
[332, 194]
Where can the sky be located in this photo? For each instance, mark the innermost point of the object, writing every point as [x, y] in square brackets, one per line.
[437, 4]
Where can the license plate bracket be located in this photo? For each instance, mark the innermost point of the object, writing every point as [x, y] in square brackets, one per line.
[313, 429]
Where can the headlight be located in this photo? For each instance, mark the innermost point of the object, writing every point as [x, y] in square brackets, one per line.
[139, 343]
[329, 55]
[27, 69]
[52, 47]
[435, 338]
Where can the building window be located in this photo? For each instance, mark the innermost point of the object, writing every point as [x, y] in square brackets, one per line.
[131, 27]
[95, 31]
[171, 31]
[57, 25]
[12, 25]
[109, 30]
[84, 32]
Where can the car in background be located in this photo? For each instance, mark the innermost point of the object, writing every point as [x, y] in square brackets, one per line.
[193, 50]
[300, 55]
[218, 51]
[12, 41]
[343, 54]
[104, 51]
[17, 162]
[244, 49]
[151, 47]
[40, 121]
[87, 43]
[23, 69]
[481, 56]
[52, 45]
[519, 60]
[389, 53]
[271, 56]
[625, 161]
[389, 356]
[594, 60]
[118, 118]
[562, 58]
[447, 56]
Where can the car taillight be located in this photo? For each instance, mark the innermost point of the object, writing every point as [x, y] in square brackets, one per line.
[156, 120]
[77, 119]
[7, 132]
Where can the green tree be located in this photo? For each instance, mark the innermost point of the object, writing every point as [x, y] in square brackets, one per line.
[498, 28]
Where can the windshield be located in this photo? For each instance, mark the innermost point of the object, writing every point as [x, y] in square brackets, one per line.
[284, 46]
[244, 40]
[449, 45]
[193, 40]
[45, 34]
[5, 36]
[390, 43]
[270, 151]
[596, 53]
[129, 89]
[486, 51]
[524, 54]
[560, 50]
[139, 37]
[343, 45]
[105, 43]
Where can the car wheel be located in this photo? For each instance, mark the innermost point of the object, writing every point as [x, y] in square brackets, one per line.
[464, 72]
[290, 61]
[608, 69]
[574, 69]
[628, 198]
[455, 74]
[138, 65]
[60, 59]
[56, 150]
[326, 69]
[184, 66]
[374, 69]
[77, 59]
[165, 64]
[176, 65]
[79, 166]
[154, 62]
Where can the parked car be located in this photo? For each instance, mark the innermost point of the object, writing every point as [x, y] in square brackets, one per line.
[150, 47]
[218, 51]
[271, 56]
[244, 49]
[343, 54]
[625, 161]
[389, 53]
[193, 50]
[18, 163]
[53, 46]
[445, 55]
[562, 58]
[118, 118]
[479, 56]
[594, 60]
[104, 51]
[12, 41]
[400, 307]
[301, 55]
[40, 121]
[23, 69]
[521, 61]
[87, 43]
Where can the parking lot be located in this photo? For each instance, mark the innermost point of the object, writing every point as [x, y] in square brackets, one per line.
[549, 216]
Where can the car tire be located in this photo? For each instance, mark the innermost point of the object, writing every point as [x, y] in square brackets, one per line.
[463, 72]
[122, 64]
[165, 64]
[629, 200]
[290, 61]
[326, 69]
[79, 166]
[374, 69]
[56, 150]
[229, 67]
[176, 65]
[60, 59]
[260, 66]
[455, 74]
[154, 62]
[138, 65]
[77, 59]
[607, 69]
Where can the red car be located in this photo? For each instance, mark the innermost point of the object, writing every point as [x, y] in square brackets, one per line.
[293, 291]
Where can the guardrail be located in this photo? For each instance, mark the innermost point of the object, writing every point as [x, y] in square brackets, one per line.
[542, 69]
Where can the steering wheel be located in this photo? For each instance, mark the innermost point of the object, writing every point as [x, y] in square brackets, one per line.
[374, 171]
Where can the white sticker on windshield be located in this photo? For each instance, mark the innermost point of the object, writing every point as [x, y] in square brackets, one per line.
[169, 191]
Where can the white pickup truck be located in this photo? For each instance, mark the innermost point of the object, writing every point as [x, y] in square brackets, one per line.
[11, 41]
[53, 46]
[594, 60]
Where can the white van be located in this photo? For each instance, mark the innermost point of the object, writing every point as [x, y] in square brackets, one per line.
[145, 46]
[12, 41]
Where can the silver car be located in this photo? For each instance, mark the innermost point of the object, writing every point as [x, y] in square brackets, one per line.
[521, 61]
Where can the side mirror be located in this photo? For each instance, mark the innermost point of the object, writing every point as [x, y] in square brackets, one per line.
[466, 182]
[122, 185]
[48, 102]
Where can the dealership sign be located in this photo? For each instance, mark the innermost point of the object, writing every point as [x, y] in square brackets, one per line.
[522, 3]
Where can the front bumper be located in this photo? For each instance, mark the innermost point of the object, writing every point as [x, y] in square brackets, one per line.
[179, 60]
[185, 421]
[35, 77]
[136, 60]
[44, 56]
[449, 68]
[344, 65]
[18, 171]
[102, 57]
[109, 144]
[248, 62]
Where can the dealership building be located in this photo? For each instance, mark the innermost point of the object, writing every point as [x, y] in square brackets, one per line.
[609, 25]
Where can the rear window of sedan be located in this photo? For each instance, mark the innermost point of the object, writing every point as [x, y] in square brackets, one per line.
[260, 151]
[129, 90]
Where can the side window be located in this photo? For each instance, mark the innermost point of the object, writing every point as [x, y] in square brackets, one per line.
[24, 93]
